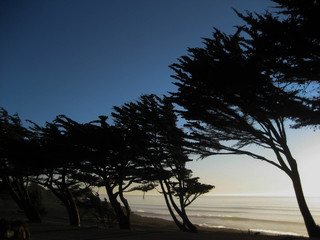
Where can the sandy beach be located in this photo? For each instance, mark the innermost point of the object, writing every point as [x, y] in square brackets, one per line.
[53, 231]
[142, 228]
[55, 226]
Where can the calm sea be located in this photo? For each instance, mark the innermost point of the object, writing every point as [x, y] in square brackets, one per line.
[278, 215]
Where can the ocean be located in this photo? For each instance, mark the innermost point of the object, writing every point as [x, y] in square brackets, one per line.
[274, 215]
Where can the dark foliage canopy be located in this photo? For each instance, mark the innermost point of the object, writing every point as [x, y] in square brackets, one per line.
[239, 90]
[287, 45]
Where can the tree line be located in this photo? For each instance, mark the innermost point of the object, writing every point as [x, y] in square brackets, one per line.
[143, 149]
[239, 90]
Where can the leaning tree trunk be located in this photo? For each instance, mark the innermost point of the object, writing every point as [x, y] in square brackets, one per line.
[73, 213]
[187, 222]
[123, 219]
[293, 173]
[126, 206]
[312, 228]
[68, 201]
[21, 197]
[176, 221]
[74, 216]
[30, 211]
[183, 213]
[187, 225]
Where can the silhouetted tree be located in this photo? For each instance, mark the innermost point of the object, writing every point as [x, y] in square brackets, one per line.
[101, 210]
[163, 153]
[60, 166]
[287, 44]
[106, 153]
[231, 103]
[18, 162]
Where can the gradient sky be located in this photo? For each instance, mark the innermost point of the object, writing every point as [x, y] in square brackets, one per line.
[81, 57]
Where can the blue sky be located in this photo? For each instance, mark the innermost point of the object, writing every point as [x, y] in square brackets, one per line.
[82, 57]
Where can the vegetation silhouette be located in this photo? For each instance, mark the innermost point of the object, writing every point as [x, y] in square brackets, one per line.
[101, 210]
[17, 162]
[60, 172]
[233, 97]
[238, 90]
[287, 46]
[164, 154]
[142, 149]
[103, 153]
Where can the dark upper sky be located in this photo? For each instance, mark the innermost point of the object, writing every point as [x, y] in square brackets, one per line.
[81, 57]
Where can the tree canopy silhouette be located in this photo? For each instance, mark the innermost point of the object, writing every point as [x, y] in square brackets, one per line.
[231, 102]
[19, 154]
[60, 167]
[106, 152]
[163, 153]
[287, 45]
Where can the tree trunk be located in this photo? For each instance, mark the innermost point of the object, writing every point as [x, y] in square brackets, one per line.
[187, 222]
[24, 203]
[31, 212]
[176, 221]
[123, 219]
[74, 217]
[68, 201]
[124, 222]
[73, 213]
[183, 214]
[312, 228]
[124, 202]
[187, 225]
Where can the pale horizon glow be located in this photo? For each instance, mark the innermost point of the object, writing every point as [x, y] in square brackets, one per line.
[242, 175]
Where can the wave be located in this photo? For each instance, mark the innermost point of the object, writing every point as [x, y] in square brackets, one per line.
[272, 232]
[249, 211]
[214, 211]
[217, 226]
[220, 217]
[253, 231]
[245, 209]
[271, 215]
[234, 218]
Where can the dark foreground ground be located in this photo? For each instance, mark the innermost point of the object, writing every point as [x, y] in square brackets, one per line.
[55, 231]
[55, 227]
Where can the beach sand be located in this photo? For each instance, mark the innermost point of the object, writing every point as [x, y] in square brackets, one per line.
[55, 227]
[142, 228]
[51, 231]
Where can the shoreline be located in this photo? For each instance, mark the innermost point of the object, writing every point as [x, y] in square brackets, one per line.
[203, 228]
[252, 230]
[155, 229]
[55, 226]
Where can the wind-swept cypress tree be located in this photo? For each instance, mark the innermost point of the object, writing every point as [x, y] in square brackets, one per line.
[105, 153]
[60, 163]
[232, 102]
[286, 43]
[163, 153]
[18, 162]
